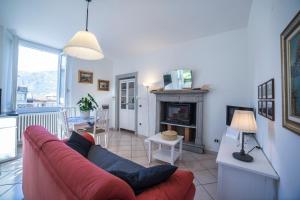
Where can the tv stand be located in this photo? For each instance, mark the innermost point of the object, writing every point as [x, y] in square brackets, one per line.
[192, 133]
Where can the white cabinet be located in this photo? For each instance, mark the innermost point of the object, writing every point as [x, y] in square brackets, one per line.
[241, 180]
[8, 138]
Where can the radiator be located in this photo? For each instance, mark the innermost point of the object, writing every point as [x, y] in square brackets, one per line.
[49, 120]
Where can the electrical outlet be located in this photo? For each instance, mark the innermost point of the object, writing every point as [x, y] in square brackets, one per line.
[140, 124]
[216, 140]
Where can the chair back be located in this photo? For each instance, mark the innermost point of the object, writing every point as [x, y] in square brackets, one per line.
[101, 120]
[63, 121]
[71, 111]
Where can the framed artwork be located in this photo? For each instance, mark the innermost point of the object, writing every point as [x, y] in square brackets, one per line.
[270, 89]
[264, 108]
[271, 110]
[85, 77]
[290, 59]
[264, 91]
[103, 85]
[260, 107]
[259, 92]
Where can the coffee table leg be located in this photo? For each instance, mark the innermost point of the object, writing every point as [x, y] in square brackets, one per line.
[172, 155]
[180, 150]
[149, 151]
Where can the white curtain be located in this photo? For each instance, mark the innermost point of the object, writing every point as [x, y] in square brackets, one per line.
[9, 69]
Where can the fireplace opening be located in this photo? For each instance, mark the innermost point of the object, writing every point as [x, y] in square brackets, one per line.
[179, 113]
[180, 117]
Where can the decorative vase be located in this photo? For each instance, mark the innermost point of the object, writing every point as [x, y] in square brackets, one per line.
[85, 114]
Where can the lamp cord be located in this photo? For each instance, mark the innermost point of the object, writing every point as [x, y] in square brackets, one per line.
[87, 15]
[257, 147]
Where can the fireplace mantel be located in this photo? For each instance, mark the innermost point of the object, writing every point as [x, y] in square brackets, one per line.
[183, 96]
[187, 91]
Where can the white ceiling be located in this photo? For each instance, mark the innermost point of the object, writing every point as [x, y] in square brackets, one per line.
[124, 27]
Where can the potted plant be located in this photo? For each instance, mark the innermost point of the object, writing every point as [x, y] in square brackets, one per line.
[86, 105]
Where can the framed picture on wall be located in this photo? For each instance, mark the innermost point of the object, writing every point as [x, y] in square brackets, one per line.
[290, 55]
[270, 89]
[259, 92]
[264, 91]
[103, 85]
[264, 108]
[260, 107]
[270, 110]
[85, 77]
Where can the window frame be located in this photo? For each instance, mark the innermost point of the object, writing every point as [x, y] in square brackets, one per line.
[59, 52]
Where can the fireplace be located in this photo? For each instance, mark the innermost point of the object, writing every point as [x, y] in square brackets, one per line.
[182, 111]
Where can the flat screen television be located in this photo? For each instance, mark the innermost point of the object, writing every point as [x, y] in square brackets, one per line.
[230, 111]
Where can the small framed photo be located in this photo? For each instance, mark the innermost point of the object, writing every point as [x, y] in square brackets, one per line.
[259, 92]
[264, 90]
[85, 77]
[270, 110]
[264, 108]
[260, 107]
[103, 85]
[270, 89]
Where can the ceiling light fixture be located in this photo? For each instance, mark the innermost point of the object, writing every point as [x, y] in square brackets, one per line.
[84, 44]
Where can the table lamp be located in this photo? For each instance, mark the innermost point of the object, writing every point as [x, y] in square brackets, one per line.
[243, 121]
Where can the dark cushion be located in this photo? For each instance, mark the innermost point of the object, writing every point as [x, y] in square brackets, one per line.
[137, 176]
[110, 161]
[79, 144]
[145, 178]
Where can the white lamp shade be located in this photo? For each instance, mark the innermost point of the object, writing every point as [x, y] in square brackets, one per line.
[244, 121]
[84, 45]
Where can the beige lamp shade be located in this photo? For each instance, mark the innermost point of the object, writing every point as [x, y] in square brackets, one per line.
[84, 45]
[244, 121]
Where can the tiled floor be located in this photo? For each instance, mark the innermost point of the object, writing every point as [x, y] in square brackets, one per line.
[131, 147]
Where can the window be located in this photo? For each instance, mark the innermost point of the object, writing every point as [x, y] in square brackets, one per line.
[41, 76]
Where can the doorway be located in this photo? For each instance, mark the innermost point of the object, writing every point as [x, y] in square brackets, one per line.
[126, 102]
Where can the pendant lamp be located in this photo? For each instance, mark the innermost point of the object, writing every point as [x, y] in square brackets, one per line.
[84, 44]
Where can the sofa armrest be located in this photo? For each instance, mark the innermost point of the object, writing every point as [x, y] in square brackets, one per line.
[179, 186]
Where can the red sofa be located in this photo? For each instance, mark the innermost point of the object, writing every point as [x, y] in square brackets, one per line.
[52, 170]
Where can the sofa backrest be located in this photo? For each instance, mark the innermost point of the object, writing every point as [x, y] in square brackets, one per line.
[52, 170]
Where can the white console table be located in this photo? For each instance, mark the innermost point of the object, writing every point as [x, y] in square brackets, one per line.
[241, 180]
[8, 138]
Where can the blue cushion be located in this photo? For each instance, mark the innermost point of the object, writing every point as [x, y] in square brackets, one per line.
[137, 176]
[145, 178]
[110, 161]
[79, 144]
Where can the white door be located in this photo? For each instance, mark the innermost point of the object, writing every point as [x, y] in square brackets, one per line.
[127, 104]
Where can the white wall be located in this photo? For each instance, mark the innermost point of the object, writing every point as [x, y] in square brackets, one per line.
[102, 69]
[268, 18]
[219, 60]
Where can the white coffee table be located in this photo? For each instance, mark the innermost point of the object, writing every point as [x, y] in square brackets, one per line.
[164, 154]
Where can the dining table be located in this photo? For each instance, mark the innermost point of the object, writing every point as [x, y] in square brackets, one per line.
[79, 122]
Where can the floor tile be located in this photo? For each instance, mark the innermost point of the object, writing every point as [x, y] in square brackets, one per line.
[209, 164]
[15, 193]
[211, 189]
[194, 165]
[205, 177]
[201, 194]
[214, 172]
[5, 188]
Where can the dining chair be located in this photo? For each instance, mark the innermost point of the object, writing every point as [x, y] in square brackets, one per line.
[100, 126]
[64, 124]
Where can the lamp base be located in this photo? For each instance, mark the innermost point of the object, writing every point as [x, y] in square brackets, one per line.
[242, 157]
